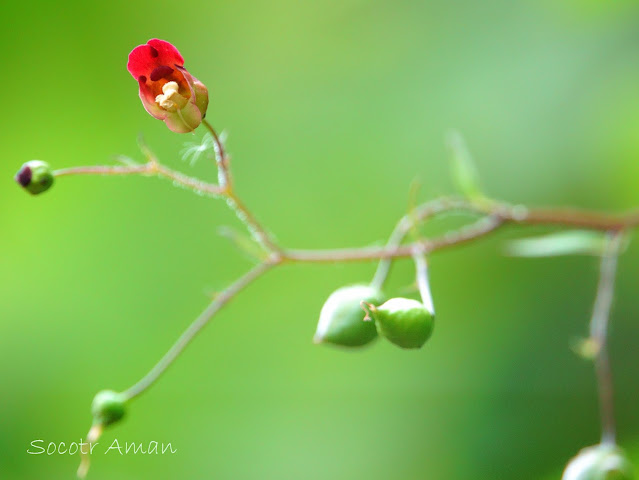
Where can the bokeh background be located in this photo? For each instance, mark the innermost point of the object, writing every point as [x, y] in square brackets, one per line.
[332, 109]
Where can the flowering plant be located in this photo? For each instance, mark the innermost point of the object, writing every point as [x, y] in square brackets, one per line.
[167, 90]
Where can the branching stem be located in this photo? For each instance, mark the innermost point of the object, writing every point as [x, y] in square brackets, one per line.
[492, 216]
[258, 232]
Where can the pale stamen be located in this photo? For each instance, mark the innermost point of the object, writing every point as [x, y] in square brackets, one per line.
[170, 100]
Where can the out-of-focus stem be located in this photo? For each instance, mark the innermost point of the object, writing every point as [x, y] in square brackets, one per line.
[598, 333]
[198, 324]
[419, 214]
[421, 267]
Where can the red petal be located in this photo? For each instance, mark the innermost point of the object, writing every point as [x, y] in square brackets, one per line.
[143, 59]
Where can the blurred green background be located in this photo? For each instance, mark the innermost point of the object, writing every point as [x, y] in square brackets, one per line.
[332, 109]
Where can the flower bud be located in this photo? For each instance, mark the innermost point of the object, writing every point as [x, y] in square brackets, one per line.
[405, 322]
[342, 318]
[35, 177]
[108, 407]
[599, 462]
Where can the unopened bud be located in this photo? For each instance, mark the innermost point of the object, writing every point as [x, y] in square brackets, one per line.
[108, 407]
[35, 177]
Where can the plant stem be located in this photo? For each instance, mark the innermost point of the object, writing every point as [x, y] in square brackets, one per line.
[150, 168]
[258, 232]
[480, 228]
[493, 215]
[421, 267]
[418, 214]
[598, 333]
[221, 158]
[198, 324]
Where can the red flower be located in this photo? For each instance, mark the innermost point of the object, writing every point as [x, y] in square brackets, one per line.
[167, 90]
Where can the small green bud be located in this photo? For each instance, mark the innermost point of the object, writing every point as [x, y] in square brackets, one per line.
[35, 177]
[405, 322]
[341, 320]
[108, 407]
[599, 462]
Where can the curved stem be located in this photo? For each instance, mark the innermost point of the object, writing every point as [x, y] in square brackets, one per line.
[419, 214]
[221, 158]
[421, 267]
[198, 324]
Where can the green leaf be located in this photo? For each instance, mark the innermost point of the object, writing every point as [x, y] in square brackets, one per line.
[573, 242]
[463, 170]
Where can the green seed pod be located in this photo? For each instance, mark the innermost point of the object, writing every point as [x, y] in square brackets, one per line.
[342, 321]
[108, 407]
[35, 177]
[405, 322]
[599, 462]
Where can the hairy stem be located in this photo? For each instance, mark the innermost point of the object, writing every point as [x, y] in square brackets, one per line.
[258, 232]
[221, 158]
[198, 324]
[150, 168]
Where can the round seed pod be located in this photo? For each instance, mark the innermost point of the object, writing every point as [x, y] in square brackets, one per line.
[35, 177]
[599, 462]
[108, 407]
[405, 322]
[341, 319]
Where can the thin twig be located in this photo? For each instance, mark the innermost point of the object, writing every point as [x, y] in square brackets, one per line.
[103, 170]
[221, 158]
[498, 215]
[480, 228]
[258, 232]
[256, 229]
[150, 168]
[598, 333]
[198, 324]
[419, 214]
